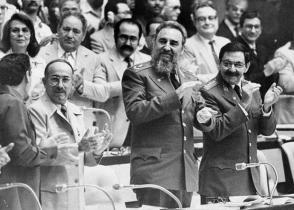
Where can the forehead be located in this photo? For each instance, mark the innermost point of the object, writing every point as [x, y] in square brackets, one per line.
[73, 22]
[128, 28]
[17, 23]
[172, 2]
[234, 56]
[2, 2]
[205, 11]
[122, 7]
[59, 69]
[170, 34]
[252, 21]
[238, 3]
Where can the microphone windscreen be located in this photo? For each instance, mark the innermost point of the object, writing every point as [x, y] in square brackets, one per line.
[116, 186]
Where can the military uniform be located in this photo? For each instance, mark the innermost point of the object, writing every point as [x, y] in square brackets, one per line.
[232, 140]
[162, 134]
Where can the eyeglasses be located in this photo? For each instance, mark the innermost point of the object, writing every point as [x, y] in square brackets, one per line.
[251, 26]
[74, 30]
[203, 19]
[125, 12]
[176, 7]
[26, 31]
[3, 7]
[55, 80]
[125, 38]
[230, 64]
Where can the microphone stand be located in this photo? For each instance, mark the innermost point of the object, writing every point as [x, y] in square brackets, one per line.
[63, 188]
[154, 186]
[243, 166]
[22, 185]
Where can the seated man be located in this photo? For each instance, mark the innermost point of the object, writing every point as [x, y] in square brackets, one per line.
[58, 121]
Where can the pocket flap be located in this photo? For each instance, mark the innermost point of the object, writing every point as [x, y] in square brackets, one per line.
[145, 153]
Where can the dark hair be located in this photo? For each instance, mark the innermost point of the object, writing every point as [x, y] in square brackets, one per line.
[174, 25]
[196, 5]
[234, 47]
[13, 68]
[33, 47]
[152, 21]
[128, 21]
[249, 15]
[61, 2]
[77, 15]
[59, 60]
[111, 6]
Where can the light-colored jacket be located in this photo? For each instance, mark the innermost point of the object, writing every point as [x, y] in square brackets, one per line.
[49, 120]
[111, 69]
[93, 91]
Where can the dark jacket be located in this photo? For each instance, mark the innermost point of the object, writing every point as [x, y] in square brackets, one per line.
[26, 157]
[232, 140]
[224, 31]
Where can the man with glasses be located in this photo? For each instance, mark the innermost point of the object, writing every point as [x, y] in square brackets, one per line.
[230, 26]
[171, 10]
[204, 46]
[59, 122]
[71, 32]
[103, 40]
[251, 30]
[241, 115]
[112, 65]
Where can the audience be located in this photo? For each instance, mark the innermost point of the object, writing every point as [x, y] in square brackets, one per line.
[93, 11]
[171, 10]
[19, 37]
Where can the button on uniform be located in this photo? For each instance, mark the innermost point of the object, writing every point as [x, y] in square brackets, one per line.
[185, 138]
[184, 151]
[250, 144]
[249, 131]
[184, 124]
[76, 180]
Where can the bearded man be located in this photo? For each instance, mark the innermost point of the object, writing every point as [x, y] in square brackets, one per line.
[162, 111]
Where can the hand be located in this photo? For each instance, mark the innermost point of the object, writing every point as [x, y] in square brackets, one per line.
[68, 152]
[89, 141]
[78, 81]
[104, 141]
[205, 114]
[48, 39]
[4, 158]
[272, 96]
[55, 140]
[247, 93]
[185, 87]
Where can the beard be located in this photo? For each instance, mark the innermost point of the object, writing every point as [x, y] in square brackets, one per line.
[164, 62]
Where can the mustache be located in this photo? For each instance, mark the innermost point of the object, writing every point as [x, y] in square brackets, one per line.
[127, 47]
[230, 73]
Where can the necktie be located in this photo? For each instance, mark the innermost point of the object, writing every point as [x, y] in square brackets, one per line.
[129, 61]
[236, 30]
[63, 110]
[238, 91]
[69, 57]
[174, 80]
[211, 43]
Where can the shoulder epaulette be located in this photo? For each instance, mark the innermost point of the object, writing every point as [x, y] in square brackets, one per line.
[141, 66]
[210, 84]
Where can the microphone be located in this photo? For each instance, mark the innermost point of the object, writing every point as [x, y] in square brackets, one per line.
[154, 186]
[243, 166]
[22, 185]
[60, 188]
[84, 108]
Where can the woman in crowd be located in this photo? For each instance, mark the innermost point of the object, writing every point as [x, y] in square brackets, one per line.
[19, 37]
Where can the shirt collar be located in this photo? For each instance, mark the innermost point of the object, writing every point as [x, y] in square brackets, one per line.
[121, 58]
[231, 26]
[205, 40]
[61, 51]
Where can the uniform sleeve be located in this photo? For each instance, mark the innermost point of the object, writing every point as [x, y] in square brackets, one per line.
[141, 109]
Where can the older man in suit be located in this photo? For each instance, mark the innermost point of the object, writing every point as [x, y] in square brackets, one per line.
[204, 46]
[71, 32]
[161, 108]
[125, 54]
[16, 127]
[241, 116]
[230, 26]
[56, 118]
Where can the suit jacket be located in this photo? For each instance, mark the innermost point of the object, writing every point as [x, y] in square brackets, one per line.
[224, 31]
[257, 62]
[26, 157]
[49, 121]
[233, 140]
[110, 71]
[197, 48]
[162, 130]
[93, 91]
[102, 40]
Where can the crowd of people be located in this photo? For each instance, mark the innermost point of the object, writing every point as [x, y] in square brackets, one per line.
[160, 87]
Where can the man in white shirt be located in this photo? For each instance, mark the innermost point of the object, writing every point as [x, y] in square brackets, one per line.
[204, 46]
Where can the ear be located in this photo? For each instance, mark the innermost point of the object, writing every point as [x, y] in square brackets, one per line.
[247, 67]
[192, 17]
[28, 76]
[44, 81]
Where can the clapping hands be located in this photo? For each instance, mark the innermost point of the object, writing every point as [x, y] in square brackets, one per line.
[272, 96]
[4, 158]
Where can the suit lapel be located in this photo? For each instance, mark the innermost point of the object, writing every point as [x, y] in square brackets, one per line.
[204, 53]
[115, 63]
[161, 81]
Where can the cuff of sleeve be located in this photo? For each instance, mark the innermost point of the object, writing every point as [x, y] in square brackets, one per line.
[243, 110]
[266, 114]
[51, 152]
